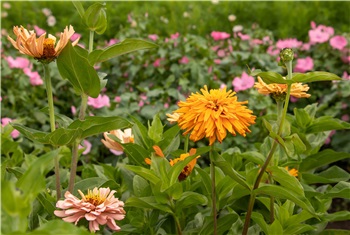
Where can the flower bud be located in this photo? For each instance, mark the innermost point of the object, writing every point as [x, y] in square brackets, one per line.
[286, 55]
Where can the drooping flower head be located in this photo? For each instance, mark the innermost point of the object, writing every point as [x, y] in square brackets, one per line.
[41, 48]
[298, 90]
[98, 207]
[125, 136]
[213, 113]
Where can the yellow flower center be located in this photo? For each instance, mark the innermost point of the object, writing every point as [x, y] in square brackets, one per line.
[94, 199]
[49, 48]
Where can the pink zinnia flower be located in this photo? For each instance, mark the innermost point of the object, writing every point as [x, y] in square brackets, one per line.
[99, 102]
[184, 60]
[304, 65]
[18, 63]
[153, 37]
[98, 207]
[34, 77]
[338, 42]
[243, 83]
[288, 43]
[5, 121]
[219, 35]
[87, 145]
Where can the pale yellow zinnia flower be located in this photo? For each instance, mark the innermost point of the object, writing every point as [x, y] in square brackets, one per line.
[213, 113]
[298, 90]
[173, 117]
[125, 136]
[41, 48]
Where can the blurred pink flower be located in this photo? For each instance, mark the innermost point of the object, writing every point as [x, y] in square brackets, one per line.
[345, 117]
[87, 145]
[174, 36]
[5, 121]
[305, 46]
[99, 102]
[112, 42]
[243, 83]
[346, 76]
[293, 99]
[328, 140]
[219, 35]
[320, 34]
[98, 207]
[221, 53]
[222, 86]
[75, 36]
[217, 61]
[117, 99]
[256, 42]
[141, 103]
[153, 37]
[271, 50]
[184, 60]
[338, 42]
[303, 65]
[34, 77]
[244, 37]
[210, 69]
[166, 105]
[39, 31]
[288, 43]
[156, 63]
[73, 109]
[19, 62]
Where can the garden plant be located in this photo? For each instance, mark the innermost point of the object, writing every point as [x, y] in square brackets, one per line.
[232, 133]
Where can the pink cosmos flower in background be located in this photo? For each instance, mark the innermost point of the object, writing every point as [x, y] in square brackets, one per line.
[141, 103]
[98, 207]
[117, 99]
[19, 62]
[39, 31]
[34, 77]
[288, 43]
[166, 105]
[184, 60]
[271, 50]
[219, 35]
[175, 35]
[5, 121]
[99, 102]
[153, 37]
[222, 86]
[293, 99]
[87, 145]
[338, 42]
[244, 37]
[243, 83]
[320, 34]
[304, 64]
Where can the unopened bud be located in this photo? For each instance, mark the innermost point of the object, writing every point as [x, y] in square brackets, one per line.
[286, 55]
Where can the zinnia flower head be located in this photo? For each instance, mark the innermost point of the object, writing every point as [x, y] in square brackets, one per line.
[298, 90]
[124, 137]
[292, 172]
[41, 48]
[213, 113]
[98, 207]
[173, 117]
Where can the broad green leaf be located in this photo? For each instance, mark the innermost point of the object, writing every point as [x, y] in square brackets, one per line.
[89, 183]
[224, 223]
[48, 204]
[341, 190]
[189, 199]
[228, 170]
[145, 173]
[327, 123]
[140, 133]
[298, 144]
[281, 192]
[314, 77]
[32, 134]
[334, 174]
[322, 158]
[299, 218]
[298, 229]
[170, 140]
[282, 176]
[95, 18]
[155, 130]
[79, 7]
[94, 125]
[146, 203]
[206, 181]
[259, 219]
[124, 47]
[273, 77]
[78, 71]
[59, 226]
[63, 136]
[136, 153]
[337, 216]
[62, 119]
[275, 228]
[302, 117]
[252, 156]
[334, 232]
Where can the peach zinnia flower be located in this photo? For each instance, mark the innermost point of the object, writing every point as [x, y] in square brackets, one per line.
[213, 113]
[124, 137]
[98, 207]
[298, 90]
[42, 48]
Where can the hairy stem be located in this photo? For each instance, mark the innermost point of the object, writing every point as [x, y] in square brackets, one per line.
[48, 86]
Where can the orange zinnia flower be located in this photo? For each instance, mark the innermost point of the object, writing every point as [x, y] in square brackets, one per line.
[213, 113]
[298, 90]
[292, 172]
[42, 48]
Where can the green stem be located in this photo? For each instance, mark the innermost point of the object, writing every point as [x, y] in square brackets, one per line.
[270, 155]
[213, 190]
[178, 226]
[186, 143]
[48, 86]
[91, 41]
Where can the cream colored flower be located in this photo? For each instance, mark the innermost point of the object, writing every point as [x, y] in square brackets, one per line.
[42, 48]
[298, 90]
[173, 117]
[124, 137]
[98, 207]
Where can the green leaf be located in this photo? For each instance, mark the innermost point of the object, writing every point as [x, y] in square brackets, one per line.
[78, 71]
[281, 192]
[297, 143]
[32, 134]
[95, 18]
[259, 219]
[228, 170]
[145, 173]
[141, 187]
[178, 167]
[79, 7]
[298, 229]
[334, 174]
[146, 203]
[224, 223]
[206, 181]
[189, 199]
[124, 47]
[275, 228]
[155, 130]
[89, 183]
[334, 232]
[63, 136]
[337, 216]
[314, 77]
[94, 125]
[322, 158]
[140, 133]
[253, 156]
[327, 123]
[59, 226]
[302, 117]
[272, 77]
[136, 153]
[340, 190]
[282, 176]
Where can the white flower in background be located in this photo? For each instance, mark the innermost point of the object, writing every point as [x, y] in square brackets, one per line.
[6, 5]
[232, 17]
[51, 21]
[237, 28]
[46, 11]
[215, 1]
